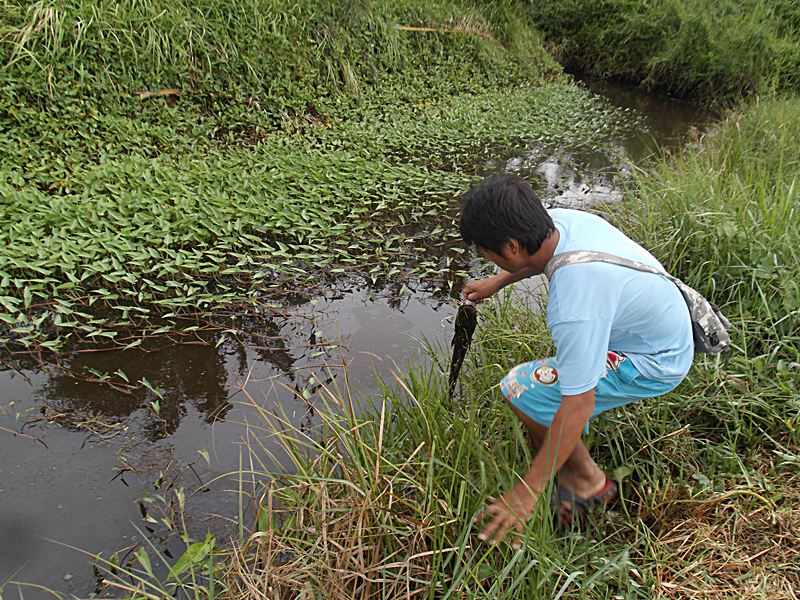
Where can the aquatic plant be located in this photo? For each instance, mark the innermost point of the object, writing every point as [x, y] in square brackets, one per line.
[126, 214]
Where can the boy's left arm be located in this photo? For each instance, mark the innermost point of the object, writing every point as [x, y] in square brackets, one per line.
[516, 506]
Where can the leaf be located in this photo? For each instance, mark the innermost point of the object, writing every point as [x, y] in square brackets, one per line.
[9, 302]
[194, 555]
[263, 520]
[622, 472]
[144, 560]
[143, 381]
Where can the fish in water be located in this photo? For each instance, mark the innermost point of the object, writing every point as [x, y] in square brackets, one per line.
[466, 319]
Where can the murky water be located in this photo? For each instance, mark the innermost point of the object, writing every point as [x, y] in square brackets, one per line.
[83, 463]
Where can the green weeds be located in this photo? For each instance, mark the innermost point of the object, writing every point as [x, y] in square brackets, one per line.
[714, 52]
[125, 217]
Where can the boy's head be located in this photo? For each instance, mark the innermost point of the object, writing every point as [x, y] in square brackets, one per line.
[500, 208]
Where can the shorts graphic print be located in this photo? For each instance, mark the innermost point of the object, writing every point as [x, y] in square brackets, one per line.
[533, 387]
[545, 374]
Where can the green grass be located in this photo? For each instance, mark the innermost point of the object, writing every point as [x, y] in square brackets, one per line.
[285, 54]
[723, 215]
[710, 51]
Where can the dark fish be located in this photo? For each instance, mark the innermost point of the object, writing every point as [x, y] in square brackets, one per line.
[466, 319]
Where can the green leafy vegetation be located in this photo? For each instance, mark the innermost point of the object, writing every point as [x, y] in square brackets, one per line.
[711, 51]
[251, 169]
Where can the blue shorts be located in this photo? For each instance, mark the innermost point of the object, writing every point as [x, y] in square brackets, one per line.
[534, 390]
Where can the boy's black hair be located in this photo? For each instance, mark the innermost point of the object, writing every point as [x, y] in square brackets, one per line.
[502, 207]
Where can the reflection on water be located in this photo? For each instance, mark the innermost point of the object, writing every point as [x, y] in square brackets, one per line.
[79, 483]
[569, 179]
[186, 375]
[668, 121]
[89, 454]
[583, 177]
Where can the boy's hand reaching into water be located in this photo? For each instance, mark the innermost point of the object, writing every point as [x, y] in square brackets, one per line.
[483, 288]
[476, 291]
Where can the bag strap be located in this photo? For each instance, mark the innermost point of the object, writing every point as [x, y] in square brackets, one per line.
[585, 256]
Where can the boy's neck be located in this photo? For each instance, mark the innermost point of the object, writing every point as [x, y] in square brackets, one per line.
[539, 259]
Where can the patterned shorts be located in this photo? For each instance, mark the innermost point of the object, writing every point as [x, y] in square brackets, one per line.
[533, 387]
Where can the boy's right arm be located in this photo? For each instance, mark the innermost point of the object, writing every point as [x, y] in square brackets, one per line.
[476, 291]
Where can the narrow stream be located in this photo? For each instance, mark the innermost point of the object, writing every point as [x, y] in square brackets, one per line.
[81, 461]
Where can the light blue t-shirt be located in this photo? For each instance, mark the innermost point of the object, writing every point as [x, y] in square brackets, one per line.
[597, 307]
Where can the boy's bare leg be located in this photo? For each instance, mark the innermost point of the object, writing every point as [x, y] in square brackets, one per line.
[580, 473]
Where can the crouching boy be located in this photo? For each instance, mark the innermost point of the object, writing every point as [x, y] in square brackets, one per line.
[621, 335]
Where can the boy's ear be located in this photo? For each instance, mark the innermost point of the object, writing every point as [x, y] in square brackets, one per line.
[513, 246]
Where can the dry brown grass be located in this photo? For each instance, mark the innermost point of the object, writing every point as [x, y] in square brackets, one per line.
[470, 23]
[341, 542]
[40, 17]
[734, 544]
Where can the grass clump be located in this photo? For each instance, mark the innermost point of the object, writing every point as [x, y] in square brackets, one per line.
[381, 495]
[705, 50]
[723, 215]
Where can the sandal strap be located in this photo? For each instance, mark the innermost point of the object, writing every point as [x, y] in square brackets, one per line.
[578, 505]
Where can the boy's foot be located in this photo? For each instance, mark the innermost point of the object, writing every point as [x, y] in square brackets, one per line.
[568, 506]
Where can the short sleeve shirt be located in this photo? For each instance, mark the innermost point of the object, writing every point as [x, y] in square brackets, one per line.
[597, 307]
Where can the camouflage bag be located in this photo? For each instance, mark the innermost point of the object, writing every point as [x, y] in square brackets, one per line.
[709, 325]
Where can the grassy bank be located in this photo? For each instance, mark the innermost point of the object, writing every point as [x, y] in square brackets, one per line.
[381, 504]
[706, 50]
[273, 144]
[724, 216]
